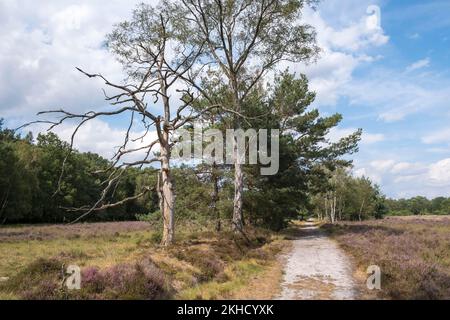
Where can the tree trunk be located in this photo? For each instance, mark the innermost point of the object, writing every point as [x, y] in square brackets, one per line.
[361, 210]
[238, 221]
[167, 200]
[5, 202]
[334, 207]
[215, 197]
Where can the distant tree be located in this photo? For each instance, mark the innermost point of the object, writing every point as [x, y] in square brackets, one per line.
[437, 205]
[419, 205]
[17, 182]
[352, 199]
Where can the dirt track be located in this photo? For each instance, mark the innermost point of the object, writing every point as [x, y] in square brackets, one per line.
[317, 269]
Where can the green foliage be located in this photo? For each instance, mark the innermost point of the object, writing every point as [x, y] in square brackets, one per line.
[34, 188]
[419, 206]
[351, 198]
[305, 152]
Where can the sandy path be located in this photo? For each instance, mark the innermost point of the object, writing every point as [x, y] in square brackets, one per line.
[317, 269]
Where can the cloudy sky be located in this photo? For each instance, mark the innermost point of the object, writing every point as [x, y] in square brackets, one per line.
[386, 70]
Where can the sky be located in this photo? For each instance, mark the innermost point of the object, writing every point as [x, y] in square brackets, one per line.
[384, 65]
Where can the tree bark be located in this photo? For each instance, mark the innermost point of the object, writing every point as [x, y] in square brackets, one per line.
[5, 202]
[361, 210]
[238, 223]
[167, 200]
[215, 197]
[238, 219]
[334, 207]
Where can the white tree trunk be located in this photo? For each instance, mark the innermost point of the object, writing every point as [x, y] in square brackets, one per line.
[333, 208]
[361, 210]
[238, 219]
[167, 197]
[238, 223]
[215, 197]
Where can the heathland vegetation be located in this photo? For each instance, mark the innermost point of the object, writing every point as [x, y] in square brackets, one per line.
[413, 253]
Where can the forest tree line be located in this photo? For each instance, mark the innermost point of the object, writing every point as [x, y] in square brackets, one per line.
[419, 206]
[34, 188]
[30, 171]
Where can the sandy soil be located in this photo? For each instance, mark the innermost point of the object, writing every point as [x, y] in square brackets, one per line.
[317, 269]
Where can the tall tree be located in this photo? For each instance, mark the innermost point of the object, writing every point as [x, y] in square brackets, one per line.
[243, 40]
[143, 46]
[306, 152]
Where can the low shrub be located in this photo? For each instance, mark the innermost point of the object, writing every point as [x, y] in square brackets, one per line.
[44, 280]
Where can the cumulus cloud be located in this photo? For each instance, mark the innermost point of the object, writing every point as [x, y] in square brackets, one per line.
[391, 94]
[439, 173]
[100, 137]
[43, 42]
[408, 179]
[343, 50]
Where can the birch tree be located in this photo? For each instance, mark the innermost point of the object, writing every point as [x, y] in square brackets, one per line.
[244, 40]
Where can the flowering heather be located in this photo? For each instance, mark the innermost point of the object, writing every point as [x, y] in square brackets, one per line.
[413, 253]
[82, 230]
[42, 280]
[142, 280]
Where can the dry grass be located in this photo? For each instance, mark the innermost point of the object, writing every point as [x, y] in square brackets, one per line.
[413, 253]
[201, 265]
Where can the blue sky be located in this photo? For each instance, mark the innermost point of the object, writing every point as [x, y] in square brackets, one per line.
[387, 74]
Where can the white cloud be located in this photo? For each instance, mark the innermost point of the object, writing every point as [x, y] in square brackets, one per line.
[419, 65]
[370, 138]
[390, 94]
[343, 50]
[372, 175]
[394, 96]
[441, 136]
[408, 168]
[408, 179]
[367, 138]
[439, 173]
[382, 165]
[43, 42]
[100, 137]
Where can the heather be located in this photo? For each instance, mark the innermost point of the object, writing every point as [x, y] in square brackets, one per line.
[413, 253]
[124, 260]
[48, 232]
